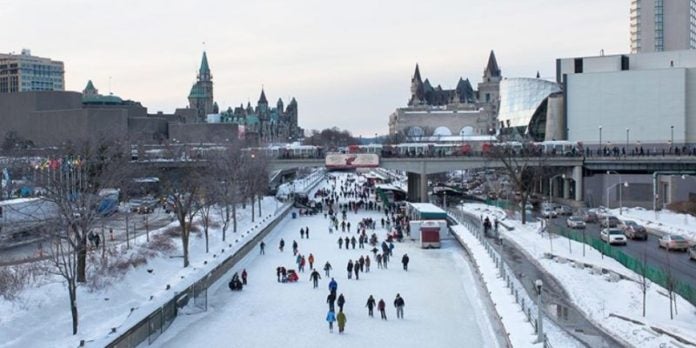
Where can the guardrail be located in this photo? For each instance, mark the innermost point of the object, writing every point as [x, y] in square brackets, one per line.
[152, 326]
[529, 308]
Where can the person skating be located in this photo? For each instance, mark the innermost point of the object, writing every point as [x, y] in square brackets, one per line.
[315, 278]
[331, 299]
[327, 269]
[399, 304]
[379, 260]
[331, 317]
[278, 273]
[310, 259]
[367, 263]
[333, 286]
[361, 261]
[356, 269]
[294, 247]
[306, 232]
[353, 241]
[340, 302]
[404, 261]
[301, 233]
[281, 245]
[349, 268]
[341, 319]
[381, 306]
[302, 264]
[262, 246]
[340, 243]
[347, 242]
[370, 305]
[244, 276]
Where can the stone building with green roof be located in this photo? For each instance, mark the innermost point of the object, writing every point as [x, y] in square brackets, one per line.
[201, 95]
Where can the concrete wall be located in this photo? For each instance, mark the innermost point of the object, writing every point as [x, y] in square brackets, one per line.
[147, 129]
[647, 102]
[202, 132]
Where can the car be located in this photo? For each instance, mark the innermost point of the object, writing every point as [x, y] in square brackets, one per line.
[548, 213]
[634, 231]
[613, 236]
[575, 222]
[564, 210]
[692, 253]
[589, 216]
[673, 242]
[609, 221]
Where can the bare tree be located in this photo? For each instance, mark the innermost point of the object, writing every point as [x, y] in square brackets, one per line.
[670, 284]
[71, 182]
[523, 164]
[183, 188]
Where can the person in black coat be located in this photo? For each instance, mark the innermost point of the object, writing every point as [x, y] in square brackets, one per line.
[331, 299]
[315, 278]
[349, 268]
[399, 304]
[404, 261]
[370, 305]
[340, 302]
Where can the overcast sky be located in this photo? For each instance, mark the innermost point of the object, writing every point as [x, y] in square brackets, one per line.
[348, 63]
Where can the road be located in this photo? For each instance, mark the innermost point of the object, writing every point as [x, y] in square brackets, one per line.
[682, 268]
[32, 251]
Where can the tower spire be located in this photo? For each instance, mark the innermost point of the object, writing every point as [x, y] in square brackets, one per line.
[492, 69]
[204, 71]
[416, 74]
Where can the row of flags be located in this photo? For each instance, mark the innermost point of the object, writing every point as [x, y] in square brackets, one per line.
[57, 163]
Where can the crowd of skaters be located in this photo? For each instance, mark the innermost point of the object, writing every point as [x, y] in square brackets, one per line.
[358, 197]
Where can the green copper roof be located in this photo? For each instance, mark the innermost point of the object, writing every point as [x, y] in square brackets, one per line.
[204, 65]
[197, 92]
[90, 86]
[101, 99]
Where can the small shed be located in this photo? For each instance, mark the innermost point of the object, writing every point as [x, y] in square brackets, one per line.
[426, 211]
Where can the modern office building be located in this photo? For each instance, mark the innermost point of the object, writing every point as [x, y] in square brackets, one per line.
[26, 73]
[631, 99]
[663, 25]
[528, 106]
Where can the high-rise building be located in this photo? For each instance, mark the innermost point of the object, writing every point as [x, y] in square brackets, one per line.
[26, 73]
[663, 25]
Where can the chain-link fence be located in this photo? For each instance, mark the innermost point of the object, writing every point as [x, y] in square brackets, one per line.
[475, 226]
[658, 276]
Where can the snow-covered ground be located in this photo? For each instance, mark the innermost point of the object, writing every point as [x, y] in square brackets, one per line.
[443, 308]
[40, 316]
[664, 220]
[597, 297]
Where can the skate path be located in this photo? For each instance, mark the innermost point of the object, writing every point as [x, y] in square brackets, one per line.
[443, 306]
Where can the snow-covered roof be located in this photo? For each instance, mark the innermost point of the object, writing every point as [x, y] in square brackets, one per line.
[426, 208]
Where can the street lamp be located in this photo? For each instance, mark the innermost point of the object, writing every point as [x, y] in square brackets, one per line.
[628, 131]
[625, 184]
[600, 137]
[540, 326]
[671, 142]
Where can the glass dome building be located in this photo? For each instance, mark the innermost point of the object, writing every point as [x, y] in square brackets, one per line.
[523, 106]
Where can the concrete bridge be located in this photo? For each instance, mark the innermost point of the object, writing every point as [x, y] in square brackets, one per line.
[567, 185]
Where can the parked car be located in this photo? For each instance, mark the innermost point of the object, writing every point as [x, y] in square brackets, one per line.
[692, 253]
[673, 242]
[575, 222]
[548, 213]
[609, 221]
[613, 236]
[634, 231]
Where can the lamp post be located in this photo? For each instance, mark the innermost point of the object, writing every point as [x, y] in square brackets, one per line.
[600, 138]
[540, 326]
[628, 131]
[671, 142]
[625, 184]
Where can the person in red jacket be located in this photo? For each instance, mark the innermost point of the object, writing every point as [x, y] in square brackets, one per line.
[382, 306]
[244, 276]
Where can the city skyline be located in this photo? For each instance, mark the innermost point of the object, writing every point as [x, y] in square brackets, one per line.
[348, 65]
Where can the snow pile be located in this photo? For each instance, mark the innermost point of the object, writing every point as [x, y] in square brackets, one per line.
[665, 221]
[41, 316]
[599, 298]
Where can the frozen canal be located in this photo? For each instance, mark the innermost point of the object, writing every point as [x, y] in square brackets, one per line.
[443, 306]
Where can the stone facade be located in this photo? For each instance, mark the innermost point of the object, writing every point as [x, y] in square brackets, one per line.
[434, 111]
